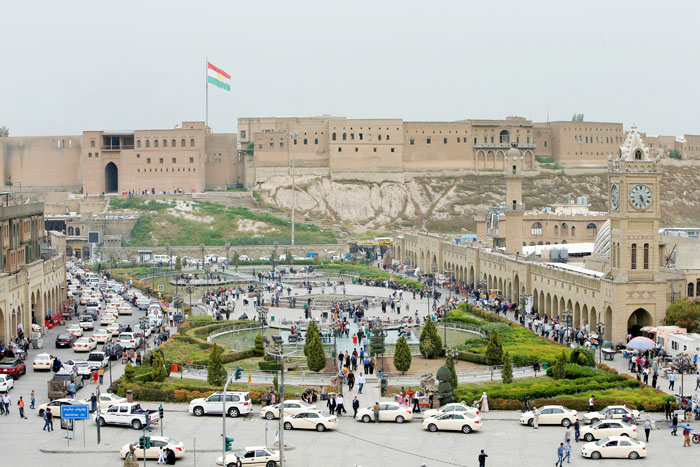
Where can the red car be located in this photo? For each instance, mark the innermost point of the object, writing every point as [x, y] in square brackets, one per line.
[13, 367]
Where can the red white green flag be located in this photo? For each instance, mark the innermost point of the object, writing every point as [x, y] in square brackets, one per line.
[218, 77]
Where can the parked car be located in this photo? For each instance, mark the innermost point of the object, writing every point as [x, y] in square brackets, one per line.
[43, 361]
[615, 446]
[237, 403]
[55, 406]
[14, 367]
[105, 400]
[291, 407]
[255, 455]
[606, 428]
[453, 421]
[458, 407]
[388, 412]
[65, 339]
[128, 414]
[617, 412]
[157, 443]
[6, 383]
[311, 420]
[550, 415]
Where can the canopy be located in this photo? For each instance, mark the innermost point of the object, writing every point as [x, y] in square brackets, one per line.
[649, 329]
[641, 343]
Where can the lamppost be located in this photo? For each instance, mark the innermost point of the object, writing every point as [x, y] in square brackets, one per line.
[262, 316]
[293, 140]
[568, 316]
[189, 290]
[277, 351]
[601, 339]
[202, 248]
[273, 259]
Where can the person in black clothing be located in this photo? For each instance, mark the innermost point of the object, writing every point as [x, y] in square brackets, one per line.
[482, 458]
[331, 405]
[355, 406]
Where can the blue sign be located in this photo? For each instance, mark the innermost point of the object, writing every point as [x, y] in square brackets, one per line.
[75, 412]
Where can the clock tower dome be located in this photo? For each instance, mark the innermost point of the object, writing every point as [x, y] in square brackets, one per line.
[633, 188]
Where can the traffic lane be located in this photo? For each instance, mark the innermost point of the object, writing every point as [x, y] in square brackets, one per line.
[38, 380]
[506, 442]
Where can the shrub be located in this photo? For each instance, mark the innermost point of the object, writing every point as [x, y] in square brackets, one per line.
[582, 356]
[269, 366]
[129, 372]
[494, 349]
[559, 368]
[216, 373]
[507, 371]
[402, 355]
[259, 348]
[313, 349]
[430, 343]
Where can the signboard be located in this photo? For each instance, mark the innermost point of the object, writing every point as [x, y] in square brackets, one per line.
[75, 412]
[160, 288]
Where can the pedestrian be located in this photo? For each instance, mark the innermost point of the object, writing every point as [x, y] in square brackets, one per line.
[667, 410]
[591, 403]
[484, 402]
[355, 407]
[101, 374]
[647, 429]
[375, 409]
[535, 418]
[560, 455]
[686, 435]
[93, 402]
[671, 381]
[674, 425]
[567, 452]
[6, 402]
[567, 434]
[577, 430]
[351, 380]
[72, 389]
[20, 404]
[94, 376]
[331, 405]
[32, 402]
[527, 404]
[161, 456]
[482, 458]
[49, 417]
[416, 401]
[46, 420]
[360, 383]
[340, 407]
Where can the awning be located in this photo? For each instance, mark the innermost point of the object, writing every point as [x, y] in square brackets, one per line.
[649, 329]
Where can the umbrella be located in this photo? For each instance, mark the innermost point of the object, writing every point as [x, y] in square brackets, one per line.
[641, 343]
[686, 427]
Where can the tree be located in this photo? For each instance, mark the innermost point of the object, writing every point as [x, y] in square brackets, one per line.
[259, 348]
[494, 350]
[582, 356]
[216, 373]
[577, 118]
[559, 367]
[4, 132]
[129, 372]
[507, 371]
[445, 389]
[453, 372]
[178, 264]
[313, 349]
[402, 355]
[430, 342]
[675, 154]
[684, 314]
[158, 370]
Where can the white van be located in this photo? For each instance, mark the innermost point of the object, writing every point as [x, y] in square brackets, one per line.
[165, 259]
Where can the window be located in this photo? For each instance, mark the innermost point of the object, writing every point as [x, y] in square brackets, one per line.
[89, 155]
[315, 140]
[242, 134]
[352, 136]
[148, 143]
[459, 140]
[165, 143]
[306, 141]
[556, 230]
[573, 230]
[444, 140]
[174, 160]
[340, 149]
[374, 149]
[638, 155]
[690, 289]
[379, 137]
[356, 149]
[191, 160]
[272, 145]
[191, 142]
[138, 156]
[148, 160]
[591, 229]
[564, 228]
[345, 136]
[155, 143]
[92, 143]
[536, 228]
[504, 137]
[138, 143]
[333, 136]
[492, 139]
[360, 135]
[545, 144]
[411, 141]
[428, 140]
[281, 144]
[182, 142]
[172, 143]
[646, 256]
[160, 160]
[633, 256]
[392, 149]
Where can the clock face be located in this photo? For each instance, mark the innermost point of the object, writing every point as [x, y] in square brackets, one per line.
[640, 197]
[615, 197]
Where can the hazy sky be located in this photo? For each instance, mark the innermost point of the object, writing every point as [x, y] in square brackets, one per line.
[71, 66]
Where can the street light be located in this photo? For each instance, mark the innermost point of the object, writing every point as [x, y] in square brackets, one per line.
[293, 139]
[167, 252]
[277, 351]
[189, 290]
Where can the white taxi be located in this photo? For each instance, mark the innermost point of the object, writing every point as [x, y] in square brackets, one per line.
[459, 407]
[615, 446]
[292, 407]
[388, 412]
[125, 309]
[550, 415]
[157, 443]
[43, 361]
[107, 319]
[113, 329]
[102, 336]
[611, 412]
[453, 421]
[606, 428]
[84, 344]
[311, 420]
[75, 329]
[254, 455]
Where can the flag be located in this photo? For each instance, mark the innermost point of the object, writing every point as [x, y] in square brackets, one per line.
[218, 77]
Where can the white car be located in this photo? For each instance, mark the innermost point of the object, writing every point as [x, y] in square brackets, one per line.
[453, 421]
[86, 322]
[292, 407]
[615, 412]
[311, 420]
[97, 360]
[254, 455]
[244, 258]
[157, 442]
[113, 329]
[84, 344]
[6, 383]
[615, 446]
[43, 361]
[102, 336]
[112, 308]
[107, 319]
[55, 406]
[550, 415]
[128, 340]
[606, 428]
[237, 403]
[125, 309]
[388, 412]
[93, 304]
[75, 329]
[142, 303]
[458, 407]
[106, 400]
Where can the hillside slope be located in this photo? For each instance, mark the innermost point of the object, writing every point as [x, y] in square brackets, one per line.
[449, 204]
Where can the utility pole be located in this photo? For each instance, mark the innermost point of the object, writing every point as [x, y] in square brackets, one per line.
[277, 351]
[293, 139]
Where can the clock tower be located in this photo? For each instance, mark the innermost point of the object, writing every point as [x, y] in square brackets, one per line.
[633, 188]
[514, 207]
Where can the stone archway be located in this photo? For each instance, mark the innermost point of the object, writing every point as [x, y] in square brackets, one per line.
[584, 316]
[548, 306]
[577, 315]
[471, 276]
[516, 288]
[111, 178]
[637, 320]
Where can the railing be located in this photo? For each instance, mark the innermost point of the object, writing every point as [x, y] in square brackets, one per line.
[232, 329]
[503, 145]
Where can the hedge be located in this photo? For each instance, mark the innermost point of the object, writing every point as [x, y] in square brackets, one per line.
[269, 366]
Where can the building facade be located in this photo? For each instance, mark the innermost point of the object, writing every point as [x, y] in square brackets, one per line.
[32, 275]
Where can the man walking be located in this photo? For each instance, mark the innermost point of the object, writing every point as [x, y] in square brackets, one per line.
[697, 381]
[355, 407]
[331, 405]
[46, 420]
[6, 402]
[567, 435]
[351, 380]
[686, 435]
[376, 412]
[32, 402]
[671, 381]
[560, 455]
[482, 458]
[93, 403]
[674, 423]
[360, 383]
[20, 404]
[667, 410]
[535, 418]
[577, 430]
[340, 408]
[591, 402]
[647, 429]
[49, 418]
[567, 452]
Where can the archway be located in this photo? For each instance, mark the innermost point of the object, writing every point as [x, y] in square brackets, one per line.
[471, 276]
[577, 316]
[516, 289]
[111, 178]
[637, 320]
[584, 316]
[4, 335]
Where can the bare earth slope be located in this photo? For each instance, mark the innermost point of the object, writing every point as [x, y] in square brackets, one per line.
[450, 204]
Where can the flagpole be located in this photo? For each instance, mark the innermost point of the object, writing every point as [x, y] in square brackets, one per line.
[206, 86]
